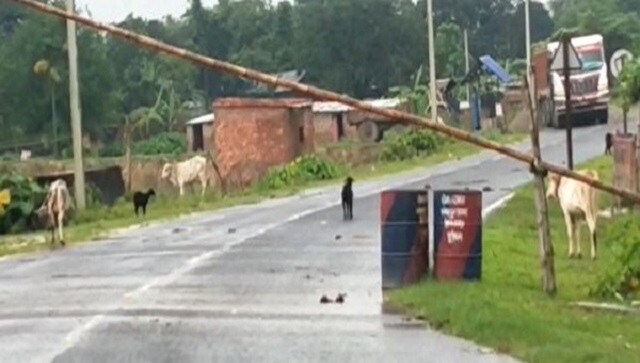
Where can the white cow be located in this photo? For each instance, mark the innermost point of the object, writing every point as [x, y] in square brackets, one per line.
[52, 212]
[181, 173]
[578, 202]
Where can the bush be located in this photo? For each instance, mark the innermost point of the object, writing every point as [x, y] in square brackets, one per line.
[302, 170]
[411, 144]
[166, 143]
[622, 276]
[112, 150]
[26, 197]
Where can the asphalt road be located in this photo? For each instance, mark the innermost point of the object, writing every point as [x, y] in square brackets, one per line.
[243, 284]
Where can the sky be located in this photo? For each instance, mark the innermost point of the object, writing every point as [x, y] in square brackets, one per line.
[116, 10]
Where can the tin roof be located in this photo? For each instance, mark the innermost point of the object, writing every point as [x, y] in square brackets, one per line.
[237, 102]
[204, 119]
[337, 107]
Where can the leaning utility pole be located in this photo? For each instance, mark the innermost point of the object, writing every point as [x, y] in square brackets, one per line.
[432, 64]
[78, 169]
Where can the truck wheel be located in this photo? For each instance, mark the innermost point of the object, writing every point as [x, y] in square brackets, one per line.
[369, 131]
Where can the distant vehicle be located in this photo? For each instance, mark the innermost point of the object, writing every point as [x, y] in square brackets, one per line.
[590, 92]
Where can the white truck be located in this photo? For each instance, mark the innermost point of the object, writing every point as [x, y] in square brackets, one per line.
[589, 85]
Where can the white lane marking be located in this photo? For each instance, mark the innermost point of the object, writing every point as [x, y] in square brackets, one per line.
[497, 204]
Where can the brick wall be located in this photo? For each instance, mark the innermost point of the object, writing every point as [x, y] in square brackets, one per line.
[325, 128]
[252, 135]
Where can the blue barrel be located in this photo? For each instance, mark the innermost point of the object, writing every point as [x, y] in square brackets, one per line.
[457, 233]
[405, 237]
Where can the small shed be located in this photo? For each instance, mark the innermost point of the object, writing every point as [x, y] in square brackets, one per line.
[331, 122]
[252, 135]
[199, 131]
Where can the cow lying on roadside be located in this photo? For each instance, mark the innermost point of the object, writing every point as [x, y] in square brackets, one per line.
[578, 202]
[181, 173]
[52, 212]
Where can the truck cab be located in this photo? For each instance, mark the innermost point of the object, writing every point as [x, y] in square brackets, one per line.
[589, 85]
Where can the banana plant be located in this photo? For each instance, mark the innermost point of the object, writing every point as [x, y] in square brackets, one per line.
[418, 96]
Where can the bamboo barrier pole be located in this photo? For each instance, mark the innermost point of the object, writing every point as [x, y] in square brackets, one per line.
[318, 93]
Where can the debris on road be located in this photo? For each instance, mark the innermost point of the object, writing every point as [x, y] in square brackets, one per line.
[338, 237]
[339, 300]
[231, 231]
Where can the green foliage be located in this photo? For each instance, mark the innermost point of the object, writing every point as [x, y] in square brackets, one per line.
[621, 279]
[617, 20]
[411, 144]
[627, 90]
[302, 170]
[166, 143]
[26, 196]
[418, 96]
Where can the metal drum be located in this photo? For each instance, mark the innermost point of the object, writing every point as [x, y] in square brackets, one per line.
[457, 234]
[405, 237]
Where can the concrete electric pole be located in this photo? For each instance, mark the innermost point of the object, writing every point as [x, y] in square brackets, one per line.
[432, 64]
[527, 24]
[466, 61]
[78, 167]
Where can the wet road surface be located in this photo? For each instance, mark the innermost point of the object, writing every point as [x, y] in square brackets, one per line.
[243, 284]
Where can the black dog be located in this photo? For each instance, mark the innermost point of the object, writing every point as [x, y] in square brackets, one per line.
[141, 199]
[347, 199]
[608, 140]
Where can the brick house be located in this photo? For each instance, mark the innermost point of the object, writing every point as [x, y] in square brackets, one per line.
[252, 135]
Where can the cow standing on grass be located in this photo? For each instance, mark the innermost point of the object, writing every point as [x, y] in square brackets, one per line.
[578, 202]
[181, 173]
[52, 212]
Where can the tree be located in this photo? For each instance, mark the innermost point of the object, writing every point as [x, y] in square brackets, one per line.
[617, 20]
[627, 91]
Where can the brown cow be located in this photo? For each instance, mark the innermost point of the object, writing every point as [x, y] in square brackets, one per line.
[52, 212]
[578, 202]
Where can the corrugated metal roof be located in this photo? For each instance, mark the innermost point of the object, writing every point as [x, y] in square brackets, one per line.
[337, 107]
[330, 107]
[384, 102]
[234, 102]
[204, 119]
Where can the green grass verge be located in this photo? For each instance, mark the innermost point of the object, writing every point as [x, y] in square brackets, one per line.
[96, 223]
[509, 312]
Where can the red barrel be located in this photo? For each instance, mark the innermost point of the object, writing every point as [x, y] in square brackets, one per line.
[405, 237]
[458, 234]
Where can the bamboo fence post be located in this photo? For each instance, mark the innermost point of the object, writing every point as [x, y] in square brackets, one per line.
[544, 236]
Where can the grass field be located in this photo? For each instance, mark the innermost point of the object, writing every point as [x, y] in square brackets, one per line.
[100, 222]
[509, 312]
